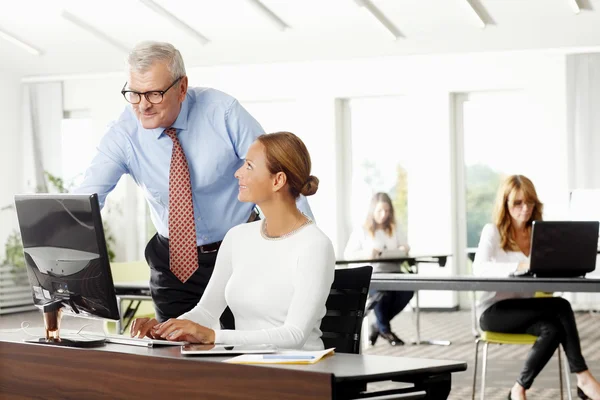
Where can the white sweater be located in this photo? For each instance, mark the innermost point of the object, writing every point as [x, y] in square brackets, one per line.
[361, 245]
[276, 288]
[492, 261]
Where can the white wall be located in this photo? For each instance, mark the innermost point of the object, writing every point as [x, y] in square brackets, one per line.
[10, 151]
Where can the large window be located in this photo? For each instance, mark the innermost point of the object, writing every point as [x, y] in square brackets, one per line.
[78, 147]
[503, 135]
[400, 145]
[381, 135]
[397, 147]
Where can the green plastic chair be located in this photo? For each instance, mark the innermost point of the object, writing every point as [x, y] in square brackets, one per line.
[487, 338]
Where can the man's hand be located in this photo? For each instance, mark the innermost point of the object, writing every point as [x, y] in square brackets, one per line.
[143, 327]
[185, 330]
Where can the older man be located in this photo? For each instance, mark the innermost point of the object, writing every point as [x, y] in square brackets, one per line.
[181, 146]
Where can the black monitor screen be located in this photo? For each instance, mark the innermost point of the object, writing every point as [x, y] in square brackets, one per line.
[65, 253]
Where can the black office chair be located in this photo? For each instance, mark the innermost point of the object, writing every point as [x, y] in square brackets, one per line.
[342, 324]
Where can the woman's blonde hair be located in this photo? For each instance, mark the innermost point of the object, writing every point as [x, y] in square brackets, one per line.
[501, 214]
[389, 224]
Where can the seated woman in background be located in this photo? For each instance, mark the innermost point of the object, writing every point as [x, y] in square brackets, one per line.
[504, 248]
[274, 274]
[380, 235]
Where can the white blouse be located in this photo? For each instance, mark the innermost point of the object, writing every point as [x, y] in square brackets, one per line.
[361, 245]
[492, 261]
[275, 288]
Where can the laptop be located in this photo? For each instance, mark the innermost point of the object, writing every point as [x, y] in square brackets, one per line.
[393, 253]
[562, 249]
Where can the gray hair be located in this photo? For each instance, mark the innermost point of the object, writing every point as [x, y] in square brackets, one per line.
[145, 54]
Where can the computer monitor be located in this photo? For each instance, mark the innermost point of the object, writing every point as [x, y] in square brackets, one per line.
[67, 261]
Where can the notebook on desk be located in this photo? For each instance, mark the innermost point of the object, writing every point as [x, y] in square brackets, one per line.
[562, 249]
[283, 357]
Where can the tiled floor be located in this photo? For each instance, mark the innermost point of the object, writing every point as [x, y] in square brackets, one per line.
[504, 362]
[503, 365]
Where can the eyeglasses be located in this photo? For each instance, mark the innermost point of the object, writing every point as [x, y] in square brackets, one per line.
[521, 203]
[153, 96]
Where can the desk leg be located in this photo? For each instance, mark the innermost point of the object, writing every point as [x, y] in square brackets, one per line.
[437, 387]
[119, 323]
[418, 311]
[364, 333]
[418, 324]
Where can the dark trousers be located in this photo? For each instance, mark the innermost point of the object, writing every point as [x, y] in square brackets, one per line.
[171, 297]
[387, 305]
[551, 319]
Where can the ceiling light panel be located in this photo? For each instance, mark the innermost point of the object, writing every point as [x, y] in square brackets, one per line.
[21, 43]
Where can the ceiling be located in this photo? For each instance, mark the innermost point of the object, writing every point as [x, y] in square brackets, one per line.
[319, 30]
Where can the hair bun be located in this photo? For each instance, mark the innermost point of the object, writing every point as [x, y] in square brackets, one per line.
[311, 186]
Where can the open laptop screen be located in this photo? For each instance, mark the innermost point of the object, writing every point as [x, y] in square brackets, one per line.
[563, 248]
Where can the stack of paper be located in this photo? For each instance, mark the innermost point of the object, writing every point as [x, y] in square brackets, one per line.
[282, 357]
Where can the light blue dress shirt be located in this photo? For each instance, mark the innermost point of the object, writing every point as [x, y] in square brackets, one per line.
[215, 132]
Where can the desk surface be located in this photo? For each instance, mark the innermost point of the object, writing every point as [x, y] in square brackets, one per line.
[455, 283]
[473, 283]
[342, 366]
[32, 367]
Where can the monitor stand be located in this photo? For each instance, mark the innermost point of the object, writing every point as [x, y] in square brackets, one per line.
[52, 316]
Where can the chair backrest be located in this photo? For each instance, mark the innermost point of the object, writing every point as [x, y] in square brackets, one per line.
[342, 324]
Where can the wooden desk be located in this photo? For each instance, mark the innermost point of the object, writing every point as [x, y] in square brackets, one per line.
[127, 372]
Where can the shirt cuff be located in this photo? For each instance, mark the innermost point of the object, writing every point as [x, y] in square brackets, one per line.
[219, 336]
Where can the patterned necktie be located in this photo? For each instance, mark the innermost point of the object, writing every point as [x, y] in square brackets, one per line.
[183, 252]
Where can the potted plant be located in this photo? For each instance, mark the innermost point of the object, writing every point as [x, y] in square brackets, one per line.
[15, 293]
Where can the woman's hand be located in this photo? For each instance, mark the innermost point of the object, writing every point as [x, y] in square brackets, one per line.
[185, 330]
[523, 266]
[144, 327]
[376, 253]
[405, 248]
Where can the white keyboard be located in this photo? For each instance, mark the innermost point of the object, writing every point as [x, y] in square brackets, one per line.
[143, 342]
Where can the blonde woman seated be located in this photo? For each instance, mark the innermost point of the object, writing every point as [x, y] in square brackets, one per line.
[379, 235]
[274, 274]
[504, 248]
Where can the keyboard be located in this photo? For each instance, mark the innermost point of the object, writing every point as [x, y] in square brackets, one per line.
[142, 342]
